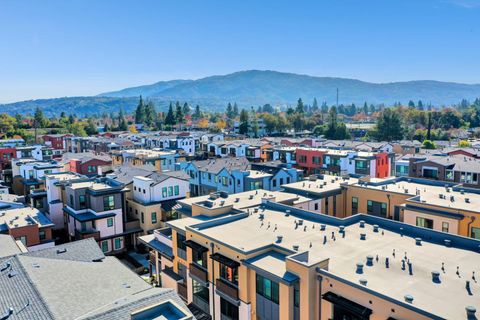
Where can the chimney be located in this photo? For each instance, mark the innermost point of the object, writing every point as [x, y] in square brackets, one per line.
[322, 227]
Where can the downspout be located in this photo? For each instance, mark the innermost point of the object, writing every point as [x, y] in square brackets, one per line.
[389, 211]
[212, 247]
[469, 233]
[320, 279]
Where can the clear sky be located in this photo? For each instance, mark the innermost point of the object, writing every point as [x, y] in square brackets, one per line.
[85, 47]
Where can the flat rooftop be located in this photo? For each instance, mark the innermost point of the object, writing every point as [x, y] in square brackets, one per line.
[22, 217]
[325, 184]
[243, 200]
[430, 194]
[249, 232]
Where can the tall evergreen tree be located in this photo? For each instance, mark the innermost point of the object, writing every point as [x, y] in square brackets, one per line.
[170, 118]
[179, 116]
[388, 127]
[150, 114]
[229, 111]
[300, 107]
[243, 128]
[315, 105]
[235, 110]
[140, 112]
[198, 114]
[186, 109]
[365, 108]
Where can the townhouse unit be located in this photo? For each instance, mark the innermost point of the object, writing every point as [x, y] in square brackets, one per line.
[6, 156]
[86, 163]
[189, 144]
[76, 144]
[161, 160]
[55, 141]
[38, 285]
[27, 225]
[95, 209]
[154, 198]
[38, 152]
[29, 174]
[256, 127]
[454, 168]
[279, 173]
[234, 148]
[282, 262]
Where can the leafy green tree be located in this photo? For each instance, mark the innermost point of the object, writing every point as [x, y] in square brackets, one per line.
[388, 127]
[150, 114]
[268, 108]
[77, 129]
[464, 144]
[198, 114]
[229, 111]
[186, 109]
[427, 144]
[106, 128]
[420, 105]
[270, 122]
[39, 118]
[91, 128]
[411, 104]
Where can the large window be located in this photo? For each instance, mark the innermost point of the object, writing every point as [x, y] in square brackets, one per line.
[229, 274]
[109, 203]
[468, 177]
[118, 243]
[181, 247]
[228, 310]
[369, 206]
[164, 192]
[82, 202]
[176, 190]
[302, 159]
[202, 292]
[430, 173]
[425, 223]
[445, 226]
[354, 205]
[170, 191]
[316, 160]
[105, 246]
[475, 233]
[109, 222]
[42, 235]
[360, 164]
[254, 185]
[449, 175]
[154, 217]
[267, 288]
[402, 170]
[200, 257]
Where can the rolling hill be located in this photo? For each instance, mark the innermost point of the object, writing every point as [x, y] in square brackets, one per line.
[256, 87]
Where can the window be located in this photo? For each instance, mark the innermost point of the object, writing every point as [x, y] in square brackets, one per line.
[425, 223]
[182, 270]
[302, 159]
[369, 206]
[22, 239]
[42, 235]
[228, 310]
[316, 160]
[110, 222]
[267, 288]
[170, 191]
[449, 174]
[445, 226]
[92, 169]
[383, 209]
[296, 297]
[475, 233]
[82, 201]
[200, 291]
[176, 190]
[71, 200]
[254, 185]
[229, 274]
[108, 203]
[354, 205]
[143, 217]
[154, 217]
[164, 192]
[316, 206]
[200, 257]
[118, 243]
[181, 247]
[274, 183]
[430, 173]
[105, 246]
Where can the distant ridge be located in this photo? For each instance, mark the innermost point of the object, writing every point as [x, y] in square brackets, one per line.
[257, 87]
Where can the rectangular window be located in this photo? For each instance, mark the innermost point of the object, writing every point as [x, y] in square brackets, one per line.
[228, 310]
[354, 205]
[110, 222]
[42, 235]
[369, 206]
[82, 201]
[143, 217]
[383, 209]
[118, 243]
[316, 206]
[424, 223]
[71, 200]
[170, 191]
[267, 288]
[302, 159]
[449, 175]
[296, 297]
[108, 203]
[229, 274]
[154, 217]
[176, 190]
[475, 233]
[316, 160]
[164, 192]
[105, 246]
[445, 226]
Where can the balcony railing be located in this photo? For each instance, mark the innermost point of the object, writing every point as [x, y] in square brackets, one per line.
[227, 288]
[87, 233]
[199, 272]
[182, 290]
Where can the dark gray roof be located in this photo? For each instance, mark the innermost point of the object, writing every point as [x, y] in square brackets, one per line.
[218, 164]
[125, 173]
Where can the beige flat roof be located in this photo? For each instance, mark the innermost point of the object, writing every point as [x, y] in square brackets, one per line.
[327, 184]
[250, 232]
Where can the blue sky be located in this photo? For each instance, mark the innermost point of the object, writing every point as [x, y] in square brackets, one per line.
[84, 47]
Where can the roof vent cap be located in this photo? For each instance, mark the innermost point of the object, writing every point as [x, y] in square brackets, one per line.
[436, 277]
[363, 236]
[359, 268]
[418, 241]
[408, 298]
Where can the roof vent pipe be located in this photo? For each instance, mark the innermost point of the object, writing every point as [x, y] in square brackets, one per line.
[279, 239]
[295, 247]
[362, 224]
[363, 236]
[363, 282]
[436, 277]
[471, 312]
[387, 262]
[418, 241]
[322, 227]
[287, 213]
[359, 268]
[370, 260]
[341, 228]
[375, 228]
[408, 298]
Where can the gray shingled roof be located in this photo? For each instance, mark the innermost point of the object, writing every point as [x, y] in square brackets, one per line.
[8, 246]
[218, 164]
[86, 250]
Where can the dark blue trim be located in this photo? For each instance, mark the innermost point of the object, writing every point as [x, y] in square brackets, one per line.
[435, 212]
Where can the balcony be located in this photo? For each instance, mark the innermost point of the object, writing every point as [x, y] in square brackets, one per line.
[87, 233]
[199, 272]
[182, 290]
[227, 288]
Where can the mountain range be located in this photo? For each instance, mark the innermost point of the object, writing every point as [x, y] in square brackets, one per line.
[255, 87]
